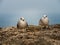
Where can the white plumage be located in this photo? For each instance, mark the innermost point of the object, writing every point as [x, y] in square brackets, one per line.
[22, 23]
[44, 21]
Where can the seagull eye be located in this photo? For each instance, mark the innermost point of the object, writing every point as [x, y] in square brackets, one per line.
[21, 18]
[46, 16]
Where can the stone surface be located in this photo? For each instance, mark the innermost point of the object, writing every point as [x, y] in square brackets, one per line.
[30, 36]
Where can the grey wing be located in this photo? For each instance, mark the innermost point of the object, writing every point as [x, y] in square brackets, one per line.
[26, 24]
[18, 25]
[48, 22]
[40, 22]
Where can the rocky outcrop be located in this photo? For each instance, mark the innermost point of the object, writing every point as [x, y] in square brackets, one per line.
[33, 35]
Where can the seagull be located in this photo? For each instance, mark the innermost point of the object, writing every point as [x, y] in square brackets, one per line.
[21, 24]
[44, 21]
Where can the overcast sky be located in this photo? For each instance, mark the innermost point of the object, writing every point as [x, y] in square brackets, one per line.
[31, 10]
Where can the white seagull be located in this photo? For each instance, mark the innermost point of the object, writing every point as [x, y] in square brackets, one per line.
[22, 23]
[44, 21]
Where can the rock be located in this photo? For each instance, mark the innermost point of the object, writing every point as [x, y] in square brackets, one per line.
[0, 28]
[32, 36]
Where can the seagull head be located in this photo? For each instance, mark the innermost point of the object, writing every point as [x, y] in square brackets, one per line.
[22, 18]
[44, 16]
